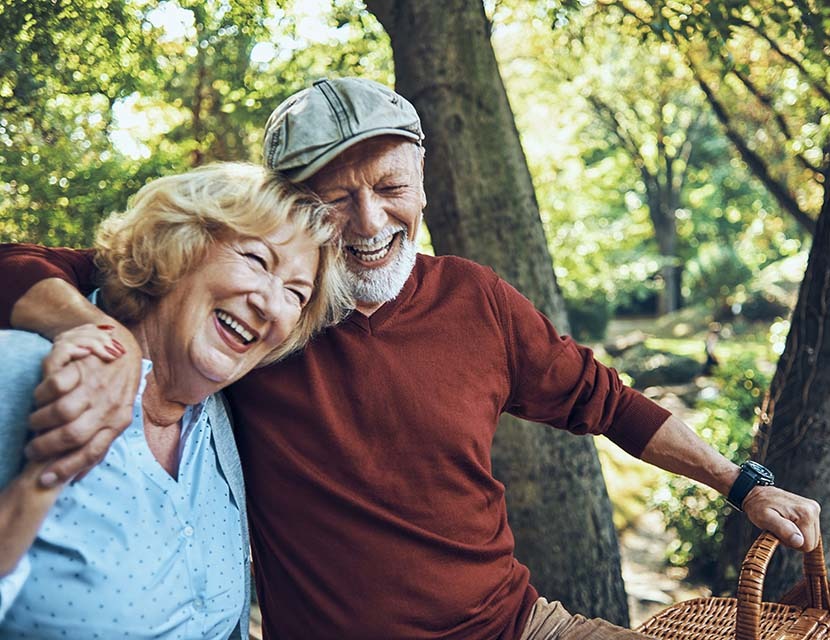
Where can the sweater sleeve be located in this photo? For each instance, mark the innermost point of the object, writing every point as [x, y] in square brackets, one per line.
[24, 265]
[558, 382]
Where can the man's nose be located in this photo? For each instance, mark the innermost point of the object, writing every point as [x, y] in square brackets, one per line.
[368, 217]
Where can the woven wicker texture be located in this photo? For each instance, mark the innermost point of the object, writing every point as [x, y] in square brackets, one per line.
[747, 617]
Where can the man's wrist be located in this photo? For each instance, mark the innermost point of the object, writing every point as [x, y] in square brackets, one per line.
[751, 475]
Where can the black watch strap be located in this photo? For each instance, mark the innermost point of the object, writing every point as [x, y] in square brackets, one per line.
[751, 475]
[742, 486]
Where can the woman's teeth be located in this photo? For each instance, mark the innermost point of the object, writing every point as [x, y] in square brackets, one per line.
[246, 337]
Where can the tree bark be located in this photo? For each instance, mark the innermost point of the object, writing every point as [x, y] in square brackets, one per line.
[794, 433]
[482, 206]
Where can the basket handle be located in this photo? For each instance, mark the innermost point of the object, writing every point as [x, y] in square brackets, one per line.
[751, 583]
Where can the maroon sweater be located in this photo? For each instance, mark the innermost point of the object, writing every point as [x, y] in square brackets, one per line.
[373, 510]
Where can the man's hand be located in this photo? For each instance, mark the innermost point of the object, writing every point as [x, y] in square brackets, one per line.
[792, 519]
[84, 401]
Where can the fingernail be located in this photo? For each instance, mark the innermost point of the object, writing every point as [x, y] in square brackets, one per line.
[113, 351]
[49, 479]
[119, 346]
[105, 327]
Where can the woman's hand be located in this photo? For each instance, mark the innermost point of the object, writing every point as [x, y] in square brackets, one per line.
[82, 341]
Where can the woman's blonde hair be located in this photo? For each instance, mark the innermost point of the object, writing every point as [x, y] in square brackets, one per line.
[171, 223]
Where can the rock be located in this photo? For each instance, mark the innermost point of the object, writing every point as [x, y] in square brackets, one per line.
[619, 345]
[650, 368]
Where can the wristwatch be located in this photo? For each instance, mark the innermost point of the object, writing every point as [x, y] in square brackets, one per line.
[752, 474]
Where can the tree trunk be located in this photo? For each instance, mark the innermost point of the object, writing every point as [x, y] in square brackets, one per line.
[665, 231]
[663, 200]
[794, 434]
[482, 206]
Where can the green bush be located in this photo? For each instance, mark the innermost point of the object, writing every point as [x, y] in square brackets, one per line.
[714, 273]
[696, 513]
[588, 316]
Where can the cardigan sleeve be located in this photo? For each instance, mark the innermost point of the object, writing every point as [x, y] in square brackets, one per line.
[24, 265]
[558, 382]
[23, 353]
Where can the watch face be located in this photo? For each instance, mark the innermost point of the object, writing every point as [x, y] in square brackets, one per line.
[764, 474]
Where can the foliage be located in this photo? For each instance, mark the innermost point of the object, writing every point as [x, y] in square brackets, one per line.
[696, 513]
[98, 97]
[763, 69]
[714, 272]
[588, 317]
[58, 83]
[603, 113]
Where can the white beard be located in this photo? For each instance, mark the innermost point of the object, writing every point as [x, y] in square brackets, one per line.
[376, 286]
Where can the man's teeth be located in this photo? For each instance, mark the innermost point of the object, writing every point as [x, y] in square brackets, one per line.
[373, 252]
[228, 320]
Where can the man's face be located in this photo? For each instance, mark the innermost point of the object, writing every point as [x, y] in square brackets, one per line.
[377, 188]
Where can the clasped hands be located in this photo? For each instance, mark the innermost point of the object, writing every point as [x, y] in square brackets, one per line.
[84, 400]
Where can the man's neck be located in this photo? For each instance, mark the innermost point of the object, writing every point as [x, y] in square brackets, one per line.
[368, 308]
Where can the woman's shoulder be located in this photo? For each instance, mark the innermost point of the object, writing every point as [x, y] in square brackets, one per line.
[20, 373]
[23, 353]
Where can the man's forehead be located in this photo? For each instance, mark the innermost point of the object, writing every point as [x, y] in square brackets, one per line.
[383, 153]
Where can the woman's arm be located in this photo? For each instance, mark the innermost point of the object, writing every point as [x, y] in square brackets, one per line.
[24, 504]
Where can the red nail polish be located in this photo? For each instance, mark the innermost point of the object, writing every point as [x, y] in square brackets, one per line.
[105, 327]
[119, 346]
[112, 351]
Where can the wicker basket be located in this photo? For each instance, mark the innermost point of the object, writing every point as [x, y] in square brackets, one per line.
[746, 617]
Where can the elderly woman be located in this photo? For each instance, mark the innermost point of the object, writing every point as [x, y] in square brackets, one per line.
[214, 272]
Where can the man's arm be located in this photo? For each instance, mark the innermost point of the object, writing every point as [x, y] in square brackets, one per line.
[590, 398]
[24, 265]
[82, 404]
[791, 518]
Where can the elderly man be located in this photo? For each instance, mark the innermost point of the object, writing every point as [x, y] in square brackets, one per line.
[373, 510]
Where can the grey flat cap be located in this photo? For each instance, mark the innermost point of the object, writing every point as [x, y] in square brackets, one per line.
[315, 125]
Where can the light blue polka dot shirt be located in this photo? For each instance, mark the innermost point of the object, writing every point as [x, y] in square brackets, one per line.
[131, 552]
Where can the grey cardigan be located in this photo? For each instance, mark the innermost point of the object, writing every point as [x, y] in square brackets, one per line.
[22, 354]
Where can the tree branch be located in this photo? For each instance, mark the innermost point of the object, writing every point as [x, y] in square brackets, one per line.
[778, 117]
[758, 165]
[818, 84]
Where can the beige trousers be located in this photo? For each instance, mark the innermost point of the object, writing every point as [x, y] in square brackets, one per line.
[550, 621]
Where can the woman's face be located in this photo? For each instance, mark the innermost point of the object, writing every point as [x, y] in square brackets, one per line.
[239, 304]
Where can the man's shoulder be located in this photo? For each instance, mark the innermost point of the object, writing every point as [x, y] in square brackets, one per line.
[455, 268]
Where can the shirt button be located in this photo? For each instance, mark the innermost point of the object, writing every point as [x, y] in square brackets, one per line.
[198, 604]
[187, 531]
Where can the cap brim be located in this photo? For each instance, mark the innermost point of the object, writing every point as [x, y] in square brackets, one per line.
[305, 172]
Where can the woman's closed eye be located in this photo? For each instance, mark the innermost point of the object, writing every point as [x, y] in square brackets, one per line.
[299, 295]
[255, 257]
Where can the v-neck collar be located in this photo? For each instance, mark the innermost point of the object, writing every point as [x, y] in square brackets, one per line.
[371, 324]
